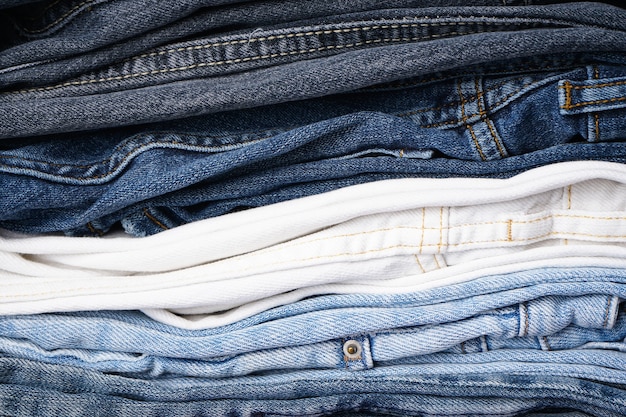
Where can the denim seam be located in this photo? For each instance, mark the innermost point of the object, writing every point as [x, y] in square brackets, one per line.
[591, 103]
[523, 316]
[153, 219]
[484, 115]
[458, 103]
[522, 68]
[269, 56]
[437, 262]
[94, 230]
[57, 21]
[439, 245]
[544, 341]
[585, 87]
[417, 259]
[467, 125]
[123, 159]
[596, 115]
[607, 311]
[568, 87]
[502, 101]
[509, 224]
[44, 10]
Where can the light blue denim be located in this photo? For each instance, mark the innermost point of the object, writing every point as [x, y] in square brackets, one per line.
[507, 388]
[551, 309]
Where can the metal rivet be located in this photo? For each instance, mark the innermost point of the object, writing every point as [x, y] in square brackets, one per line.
[352, 349]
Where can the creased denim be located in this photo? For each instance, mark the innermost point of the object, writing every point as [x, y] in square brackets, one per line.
[381, 247]
[84, 103]
[507, 388]
[546, 309]
[159, 177]
[57, 40]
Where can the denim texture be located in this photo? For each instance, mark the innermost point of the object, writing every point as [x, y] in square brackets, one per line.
[153, 178]
[81, 36]
[415, 241]
[393, 49]
[508, 388]
[546, 309]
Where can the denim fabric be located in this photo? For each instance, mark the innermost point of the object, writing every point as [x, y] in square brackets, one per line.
[318, 63]
[583, 183]
[368, 249]
[558, 323]
[549, 309]
[157, 177]
[508, 388]
[82, 36]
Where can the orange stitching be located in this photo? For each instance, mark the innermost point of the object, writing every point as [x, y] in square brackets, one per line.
[440, 230]
[587, 103]
[420, 264]
[457, 103]
[423, 228]
[507, 97]
[154, 219]
[509, 230]
[569, 198]
[437, 262]
[483, 114]
[467, 125]
[94, 230]
[585, 87]
[568, 94]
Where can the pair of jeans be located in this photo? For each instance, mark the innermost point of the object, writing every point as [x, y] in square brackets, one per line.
[301, 62]
[505, 388]
[375, 247]
[53, 41]
[546, 323]
[253, 230]
[545, 308]
[155, 178]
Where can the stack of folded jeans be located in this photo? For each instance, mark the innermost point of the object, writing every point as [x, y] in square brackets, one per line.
[295, 208]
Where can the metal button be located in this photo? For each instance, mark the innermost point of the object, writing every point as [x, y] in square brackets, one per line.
[352, 350]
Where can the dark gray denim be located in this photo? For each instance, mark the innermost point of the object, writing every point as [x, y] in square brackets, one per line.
[304, 59]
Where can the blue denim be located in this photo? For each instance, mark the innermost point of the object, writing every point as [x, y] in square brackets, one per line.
[156, 177]
[102, 33]
[304, 60]
[509, 388]
[550, 310]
